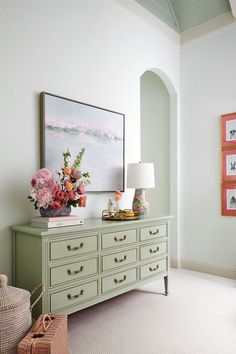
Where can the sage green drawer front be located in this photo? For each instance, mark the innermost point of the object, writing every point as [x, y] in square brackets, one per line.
[118, 238]
[120, 279]
[148, 233]
[153, 250]
[153, 268]
[73, 296]
[73, 271]
[115, 260]
[73, 247]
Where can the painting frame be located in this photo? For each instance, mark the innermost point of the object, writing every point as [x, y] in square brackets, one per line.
[228, 130]
[228, 170]
[106, 129]
[228, 199]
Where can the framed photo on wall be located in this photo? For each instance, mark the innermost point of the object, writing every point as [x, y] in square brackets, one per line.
[228, 130]
[228, 165]
[228, 199]
[69, 124]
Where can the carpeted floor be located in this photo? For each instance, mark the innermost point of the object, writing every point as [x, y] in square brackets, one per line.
[197, 317]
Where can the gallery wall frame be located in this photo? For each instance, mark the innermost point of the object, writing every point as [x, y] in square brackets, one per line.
[228, 130]
[228, 199]
[69, 124]
[228, 170]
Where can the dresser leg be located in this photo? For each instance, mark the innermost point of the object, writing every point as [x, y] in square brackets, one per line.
[166, 285]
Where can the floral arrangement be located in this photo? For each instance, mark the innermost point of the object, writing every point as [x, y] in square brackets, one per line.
[69, 190]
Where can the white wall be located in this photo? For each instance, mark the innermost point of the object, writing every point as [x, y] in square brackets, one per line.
[208, 90]
[92, 51]
[155, 138]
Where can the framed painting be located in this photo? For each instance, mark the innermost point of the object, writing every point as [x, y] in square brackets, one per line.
[69, 124]
[228, 165]
[228, 130]
[228, 199]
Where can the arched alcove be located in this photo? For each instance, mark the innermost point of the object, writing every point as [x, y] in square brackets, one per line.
[159, 131]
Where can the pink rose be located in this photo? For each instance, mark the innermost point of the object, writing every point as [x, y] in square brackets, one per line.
[33, 182]
[56, 188]
[82, 201]
[76, 174]
[71, 194]
[80, 190]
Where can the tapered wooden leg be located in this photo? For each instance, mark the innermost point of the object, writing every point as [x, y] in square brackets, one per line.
[166, 285]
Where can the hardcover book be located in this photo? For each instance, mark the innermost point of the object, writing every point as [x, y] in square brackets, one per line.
[60, 221]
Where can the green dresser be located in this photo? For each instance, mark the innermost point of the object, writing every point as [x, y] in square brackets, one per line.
[80, 266]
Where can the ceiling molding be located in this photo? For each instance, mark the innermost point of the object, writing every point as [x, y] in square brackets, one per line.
[207, 27]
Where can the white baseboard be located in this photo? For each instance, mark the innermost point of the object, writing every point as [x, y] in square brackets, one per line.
[204, 268]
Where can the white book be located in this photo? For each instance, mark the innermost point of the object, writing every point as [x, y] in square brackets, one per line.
[59, 223]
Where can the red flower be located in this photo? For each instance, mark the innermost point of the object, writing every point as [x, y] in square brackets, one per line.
[82, 201]
[59, 195]
[55, 205]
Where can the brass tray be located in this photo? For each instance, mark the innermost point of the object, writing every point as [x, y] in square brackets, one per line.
[117, 216]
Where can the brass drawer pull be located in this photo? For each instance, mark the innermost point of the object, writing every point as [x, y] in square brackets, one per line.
[154, 251]
[153, 232]
[120, 260]
[69, 248]
[120, 239]
[70, 297]
[120, 281]
[153, 269]
[73, 272]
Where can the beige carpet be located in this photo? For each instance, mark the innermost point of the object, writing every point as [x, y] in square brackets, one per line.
[197, 317]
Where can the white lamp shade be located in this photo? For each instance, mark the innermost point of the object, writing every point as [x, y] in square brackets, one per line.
[140, 175]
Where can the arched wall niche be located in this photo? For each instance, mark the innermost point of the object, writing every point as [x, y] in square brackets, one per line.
[158, 123]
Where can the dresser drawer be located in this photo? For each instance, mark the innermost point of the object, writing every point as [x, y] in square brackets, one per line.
[153, 268]
[120, 238]
[73, 271]
[73, 247]
[118, 259]
[152, 250]
[73, 296]
[118, 280]
[148, 233]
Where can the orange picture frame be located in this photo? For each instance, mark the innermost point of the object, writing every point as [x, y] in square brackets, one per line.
[228, 130]
[228, 199]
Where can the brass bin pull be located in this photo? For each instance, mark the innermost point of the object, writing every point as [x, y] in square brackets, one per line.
[70, 297]
[120, 281]
[153, 269]
[154, 251]
[73, 272]
[153, 232]
[69, 248]
[120, 260]
[116, 239]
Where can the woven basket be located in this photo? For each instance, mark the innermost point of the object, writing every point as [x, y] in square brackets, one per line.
[15, 315]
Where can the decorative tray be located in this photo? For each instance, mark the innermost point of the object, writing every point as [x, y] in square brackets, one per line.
[120, 215]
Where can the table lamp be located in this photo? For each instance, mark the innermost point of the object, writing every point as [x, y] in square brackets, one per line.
[140, 176]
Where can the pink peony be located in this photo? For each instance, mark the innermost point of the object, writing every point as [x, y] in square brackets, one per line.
[44, 197]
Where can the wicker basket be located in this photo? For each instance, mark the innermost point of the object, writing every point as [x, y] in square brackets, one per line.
[15, 315]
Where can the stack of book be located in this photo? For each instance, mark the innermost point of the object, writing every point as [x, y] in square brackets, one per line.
[59, 221]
